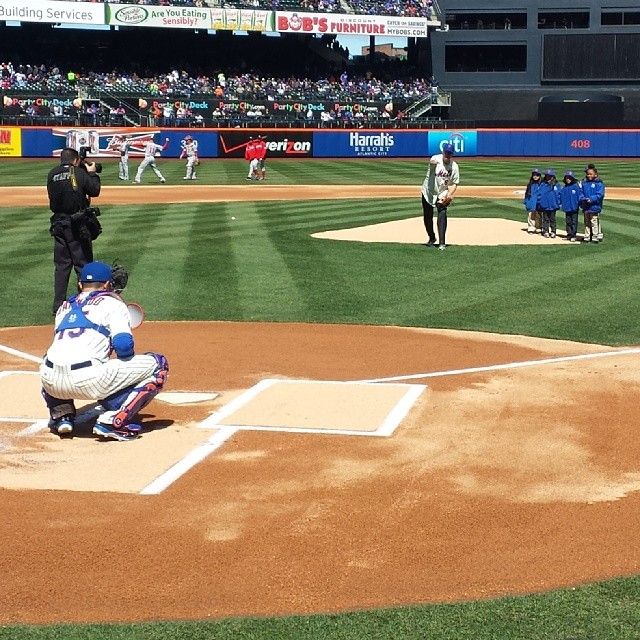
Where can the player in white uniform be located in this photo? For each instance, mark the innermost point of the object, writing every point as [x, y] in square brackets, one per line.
[123, 165]
[149, 160]
[440, 183]
[190, 152]
[90, 327]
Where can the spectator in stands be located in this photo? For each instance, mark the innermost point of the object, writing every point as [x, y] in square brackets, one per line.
[168, 115]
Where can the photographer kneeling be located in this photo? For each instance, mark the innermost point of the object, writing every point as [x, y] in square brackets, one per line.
[74, 224]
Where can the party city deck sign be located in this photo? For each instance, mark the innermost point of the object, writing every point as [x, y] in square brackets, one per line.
[52, 11]
[136, 15]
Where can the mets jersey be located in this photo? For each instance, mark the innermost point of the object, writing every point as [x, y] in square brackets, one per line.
[439, 177]
[81, 344]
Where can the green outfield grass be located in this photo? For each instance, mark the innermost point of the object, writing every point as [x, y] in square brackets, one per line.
[195, 262]
[474, 171]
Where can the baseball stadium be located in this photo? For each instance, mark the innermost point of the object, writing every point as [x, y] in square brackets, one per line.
[365, 431]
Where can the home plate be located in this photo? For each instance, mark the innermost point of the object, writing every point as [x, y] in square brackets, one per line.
[185, 397]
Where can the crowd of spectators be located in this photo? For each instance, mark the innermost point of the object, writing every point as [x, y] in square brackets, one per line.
[181, 85]
[117, 98]
[407, 8]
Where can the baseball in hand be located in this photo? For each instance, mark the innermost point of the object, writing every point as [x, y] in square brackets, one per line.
[443, 196]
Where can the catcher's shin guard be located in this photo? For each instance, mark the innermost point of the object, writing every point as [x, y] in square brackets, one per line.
[127, 402]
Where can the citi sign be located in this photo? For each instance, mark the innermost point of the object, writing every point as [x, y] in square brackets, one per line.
[464, 142]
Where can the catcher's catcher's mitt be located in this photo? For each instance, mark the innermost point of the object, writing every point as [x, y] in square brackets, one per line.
[119, 277]
[197, 162]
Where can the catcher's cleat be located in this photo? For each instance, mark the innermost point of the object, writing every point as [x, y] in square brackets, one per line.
[130, 432]
[62, 427]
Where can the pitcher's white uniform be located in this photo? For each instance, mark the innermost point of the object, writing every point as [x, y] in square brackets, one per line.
[439, 176]
[190, 151]
[100, 376]
[149, 160]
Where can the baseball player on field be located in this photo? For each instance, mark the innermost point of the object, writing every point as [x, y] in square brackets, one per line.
[149, 160]
[89, 328]
[190, 152]
[123, 165]
[440, 183]
[261, 154]
[250, 156]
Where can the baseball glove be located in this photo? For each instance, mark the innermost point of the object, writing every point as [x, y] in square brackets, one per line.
[197, 162]
[119, 278]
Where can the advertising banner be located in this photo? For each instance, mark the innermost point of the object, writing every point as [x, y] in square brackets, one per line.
[52, 11]
[241, 20]
[280, 144]
[348, 23]
[158, 16]
[465, 143]
[365, 143]
[10, 142]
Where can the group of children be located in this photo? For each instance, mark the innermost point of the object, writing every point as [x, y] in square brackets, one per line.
[544, 196]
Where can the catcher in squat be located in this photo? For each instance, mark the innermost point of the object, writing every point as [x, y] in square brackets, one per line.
[89, 328]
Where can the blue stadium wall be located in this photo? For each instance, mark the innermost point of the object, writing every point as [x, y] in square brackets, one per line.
[359, 143]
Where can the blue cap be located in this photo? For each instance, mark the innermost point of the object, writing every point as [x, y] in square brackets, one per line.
[448, 148]
[534, 171]
[550, 172]
[96, 272]
[569, 173]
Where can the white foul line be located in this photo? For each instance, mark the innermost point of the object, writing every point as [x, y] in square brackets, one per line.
[20, 354]
[188, 462]
[509, 365]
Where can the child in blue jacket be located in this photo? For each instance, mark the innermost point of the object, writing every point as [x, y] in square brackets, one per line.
[531, 201]
[570, 196]
[548, 203]
[591, 203]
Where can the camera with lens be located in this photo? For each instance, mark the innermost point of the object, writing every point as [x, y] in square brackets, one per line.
[82, 152]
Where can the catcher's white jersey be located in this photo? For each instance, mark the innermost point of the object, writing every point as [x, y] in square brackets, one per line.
[439, 177]
[77, 364]
[77, 345]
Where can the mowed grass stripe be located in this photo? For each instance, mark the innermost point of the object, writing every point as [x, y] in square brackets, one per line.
[265, 286]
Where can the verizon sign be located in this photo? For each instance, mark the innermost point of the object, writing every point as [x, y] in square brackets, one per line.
[291, 22]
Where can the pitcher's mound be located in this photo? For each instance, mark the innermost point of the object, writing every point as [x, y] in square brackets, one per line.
[460, 231]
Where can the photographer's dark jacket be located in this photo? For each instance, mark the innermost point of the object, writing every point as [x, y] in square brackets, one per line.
[70, 188]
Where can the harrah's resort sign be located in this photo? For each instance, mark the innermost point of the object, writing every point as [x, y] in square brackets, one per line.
[292, 22]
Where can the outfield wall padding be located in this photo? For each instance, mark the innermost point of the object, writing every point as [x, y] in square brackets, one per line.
[42, 142]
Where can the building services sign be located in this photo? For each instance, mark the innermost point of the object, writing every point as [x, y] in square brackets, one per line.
[52, 11]
[292, 22]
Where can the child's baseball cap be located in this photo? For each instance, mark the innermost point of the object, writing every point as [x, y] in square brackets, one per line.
[568, 174]
[550, 172]
[536, 172]
[448, 148]
[96, 272]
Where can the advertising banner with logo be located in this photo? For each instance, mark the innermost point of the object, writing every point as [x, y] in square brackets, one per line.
[10, 142]
[465, 143]
[280, 143]
[363, 143]
[158, 16]
[348, 23]
[242, 20]
[52, 11]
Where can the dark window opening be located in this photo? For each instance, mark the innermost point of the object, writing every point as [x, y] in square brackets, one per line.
[476, 21]
[486, 58]
[563, 20]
